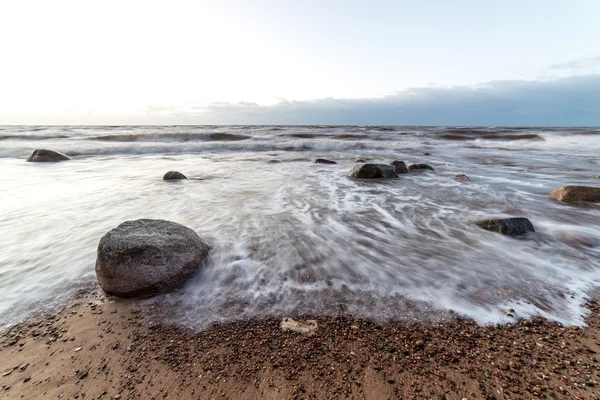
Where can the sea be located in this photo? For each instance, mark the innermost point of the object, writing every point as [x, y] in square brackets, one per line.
[294, 237]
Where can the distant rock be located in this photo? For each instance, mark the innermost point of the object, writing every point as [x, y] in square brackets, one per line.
[174, 176]
[148, 256]
[324, 161]
[43, 155]
[399, 167]
[507, 226]
[427, 154]
[372, 171]
[570, 194]
[273, 161]
[420, 167]
[360, 160]
[462, 176]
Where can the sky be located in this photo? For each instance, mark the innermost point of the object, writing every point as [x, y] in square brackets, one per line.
[461, 62]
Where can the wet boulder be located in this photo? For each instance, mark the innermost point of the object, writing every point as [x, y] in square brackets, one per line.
[148, 256]
[174, 176]
[372, 171]
[507, 226]
[399, 167]
[43, 155]
[570, 194]
[420, 167]
[324, 161]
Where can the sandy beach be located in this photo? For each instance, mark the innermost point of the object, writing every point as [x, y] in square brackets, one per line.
[102, 348]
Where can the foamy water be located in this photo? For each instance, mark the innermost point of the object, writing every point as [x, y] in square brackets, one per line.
[298, 237]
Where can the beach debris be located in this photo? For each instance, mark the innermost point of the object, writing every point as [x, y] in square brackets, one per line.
[174, 176]
[7, 373]
[507, 226]
[399, 167]
[78, 349]
[568, 194]
[324, 161]
[462, 176]
[43, 155]
[148, 256]
[308, 327]
[372, 171]
[420, 167]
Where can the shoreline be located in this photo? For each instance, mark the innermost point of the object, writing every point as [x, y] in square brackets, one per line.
[105, 348]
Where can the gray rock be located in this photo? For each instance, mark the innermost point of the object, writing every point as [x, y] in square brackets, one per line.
[148, 256]
[324, 161]
[420, 167]
[570, 194]
[174, 176]
[43, 155]
[372, 171]
[507, 226]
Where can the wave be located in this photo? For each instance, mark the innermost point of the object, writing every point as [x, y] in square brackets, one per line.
[491, 136]
[33, 137]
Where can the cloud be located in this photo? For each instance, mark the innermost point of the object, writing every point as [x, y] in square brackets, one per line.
[572, 101]
[577, 65]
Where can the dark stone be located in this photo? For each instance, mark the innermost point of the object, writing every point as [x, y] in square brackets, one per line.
[273, 162]
[420, 167]
[360, 160]
[324, 161]
[148, 256]
[372, 171]
[174, 176]
[427, 154]
[570, 194]
[507, 226]
[399, 166]
[43, 155]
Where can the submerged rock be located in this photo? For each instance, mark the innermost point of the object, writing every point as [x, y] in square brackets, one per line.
[420, 167]
[43, 155]
[507, 226]
[399, 167]
[372, 171]
[148, 256]
[174, 176]
[569, 194]
[324, 161]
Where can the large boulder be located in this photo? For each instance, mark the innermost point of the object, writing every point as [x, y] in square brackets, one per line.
[399, 167]
[420, 167]
[174, 176]
[43, 155]
[372, 171]
[507, 226]
[570, 194]
[148, 256]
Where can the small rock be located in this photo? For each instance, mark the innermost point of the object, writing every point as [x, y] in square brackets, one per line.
[308, 327]
[568, 194]
[324, 161]
[273, 161]
[174, 176]
[27, 379]
[427, 154]
[507, 226]
[360, 160]
[372, 171]
[78, 349]
[420, 167]
[462, 176]
[399, 167]
[43, 155]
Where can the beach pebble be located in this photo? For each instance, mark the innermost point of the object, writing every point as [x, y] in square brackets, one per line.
[174, 176]
[148, 256]
[568, 194]
[43, 155]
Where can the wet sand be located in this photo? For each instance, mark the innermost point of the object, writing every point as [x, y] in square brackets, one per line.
[99, 348]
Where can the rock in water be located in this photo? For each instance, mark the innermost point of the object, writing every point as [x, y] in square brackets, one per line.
[174, 176]
[420, 167]
[462, 176]
[570, 194]
[43, 155]
[372, 171]
[507, 226]
[148, 256]
[324, 161]
[399, 167]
